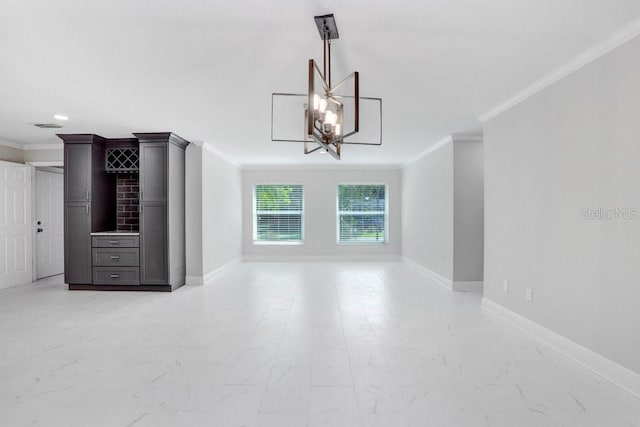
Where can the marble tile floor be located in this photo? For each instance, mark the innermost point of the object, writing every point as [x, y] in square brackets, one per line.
[300, 344]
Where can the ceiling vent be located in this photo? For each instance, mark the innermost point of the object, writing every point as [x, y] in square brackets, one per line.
[48, 125]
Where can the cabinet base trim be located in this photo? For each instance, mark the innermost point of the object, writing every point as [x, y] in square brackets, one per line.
[149, 288]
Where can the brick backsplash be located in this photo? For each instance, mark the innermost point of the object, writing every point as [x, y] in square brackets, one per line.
[128, 189]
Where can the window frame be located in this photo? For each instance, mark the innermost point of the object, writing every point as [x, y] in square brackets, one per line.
[386, 214]
[255, 217]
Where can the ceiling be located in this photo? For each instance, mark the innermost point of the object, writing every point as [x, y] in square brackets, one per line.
[206, 69]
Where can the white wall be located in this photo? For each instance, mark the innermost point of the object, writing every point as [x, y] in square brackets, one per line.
[570, 147]
[19, 155]
[427, 211]
[468, 210]
[320, 186]
[221, 211]
[193, 213]
[56, 155]
[11, 154]
[213, 212]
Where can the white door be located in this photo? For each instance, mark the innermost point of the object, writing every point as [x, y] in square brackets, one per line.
[49, 224]
[15, 224]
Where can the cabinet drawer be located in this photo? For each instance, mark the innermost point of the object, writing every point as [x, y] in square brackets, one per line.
[116, 276]
[115, 241]
[115, 257]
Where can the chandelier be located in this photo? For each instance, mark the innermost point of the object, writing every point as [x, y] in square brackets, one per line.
[331, 112]
[324, 112]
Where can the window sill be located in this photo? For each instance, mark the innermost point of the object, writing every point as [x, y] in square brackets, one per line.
[277, 243]
[363, 243]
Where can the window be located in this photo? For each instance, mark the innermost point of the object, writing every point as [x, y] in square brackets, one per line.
[277, 213]
[362, 213]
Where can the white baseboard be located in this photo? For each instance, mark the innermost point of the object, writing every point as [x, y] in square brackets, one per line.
[321, 258]
[440, 280]
[468, 286]
[14, 285]
[194, 280]
[201, 280]
[606, 368]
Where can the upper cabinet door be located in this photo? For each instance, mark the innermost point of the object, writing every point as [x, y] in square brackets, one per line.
[77, 172]
[153, 171]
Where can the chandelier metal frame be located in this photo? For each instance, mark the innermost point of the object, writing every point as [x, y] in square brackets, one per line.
[326, 106]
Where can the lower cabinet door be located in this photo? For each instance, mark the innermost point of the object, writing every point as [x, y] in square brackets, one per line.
[77, 243]
[116, 276]
[154, 268]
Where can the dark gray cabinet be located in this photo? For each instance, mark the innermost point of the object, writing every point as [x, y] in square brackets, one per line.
[77, 174]
[153, 171]
[120, 241]
[89, 197]
[162, 194]
[116, 260]
[90, 207]
[77, 207]
[116, 276]
[154, 243]
[115, 257]
[153, 213]
[77, 242]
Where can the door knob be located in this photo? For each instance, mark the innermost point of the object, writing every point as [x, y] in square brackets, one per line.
[40, 230]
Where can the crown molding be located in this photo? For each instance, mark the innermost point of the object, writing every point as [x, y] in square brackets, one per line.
[467, 137]
[12, 144]
[438, 145]
[454, 137]
[31, 147]
[210, 148]
[342, 167]
[55, 164]
[596, 51]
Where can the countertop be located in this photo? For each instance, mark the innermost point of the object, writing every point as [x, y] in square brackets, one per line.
[116, 233]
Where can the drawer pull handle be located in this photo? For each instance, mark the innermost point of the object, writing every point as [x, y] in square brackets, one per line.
[114, 242]
[114, 276]
[115, 257]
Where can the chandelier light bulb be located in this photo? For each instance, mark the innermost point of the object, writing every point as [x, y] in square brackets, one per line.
[322, 104]
[327, 117]
[316, 101]
[330, 118]
[337, 129]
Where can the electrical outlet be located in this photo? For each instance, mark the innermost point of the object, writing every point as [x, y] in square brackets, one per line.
[529, 294]
[505, 286]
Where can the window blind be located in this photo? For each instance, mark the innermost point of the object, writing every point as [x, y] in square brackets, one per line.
[278, 213]
[362, 213]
